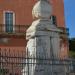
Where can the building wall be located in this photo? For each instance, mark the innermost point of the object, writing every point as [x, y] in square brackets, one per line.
[23, 16]
[13, 42]
[58, 11]
[23, 10]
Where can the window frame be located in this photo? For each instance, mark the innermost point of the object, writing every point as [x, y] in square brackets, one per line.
[4, 13]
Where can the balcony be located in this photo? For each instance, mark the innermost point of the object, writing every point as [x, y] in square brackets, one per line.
[64, 30]
[20, 30]
[64, 33]
[16, 30]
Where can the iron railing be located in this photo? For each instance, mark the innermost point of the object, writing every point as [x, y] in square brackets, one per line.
[64, 30]
[13, 62]
[13, 29]
[21, 29]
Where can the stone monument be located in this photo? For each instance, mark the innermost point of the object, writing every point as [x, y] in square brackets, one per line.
[43, 40]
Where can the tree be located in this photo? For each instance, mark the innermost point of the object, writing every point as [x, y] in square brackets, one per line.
[72, 44]
[72, 47]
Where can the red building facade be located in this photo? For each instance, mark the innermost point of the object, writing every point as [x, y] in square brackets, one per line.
[15, 18]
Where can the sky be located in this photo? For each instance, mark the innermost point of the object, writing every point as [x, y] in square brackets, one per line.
[69, 7]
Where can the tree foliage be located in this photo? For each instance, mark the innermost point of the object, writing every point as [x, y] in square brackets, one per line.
[72, 47]
[72, 44]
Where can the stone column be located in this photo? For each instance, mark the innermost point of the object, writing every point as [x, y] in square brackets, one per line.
[43, 41]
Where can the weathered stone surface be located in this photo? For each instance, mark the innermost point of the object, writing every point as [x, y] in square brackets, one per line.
[43, 43]
[42, 9]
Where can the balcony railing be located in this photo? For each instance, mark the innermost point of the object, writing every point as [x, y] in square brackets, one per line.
[64, 30]
[15, 29]
[21, 30]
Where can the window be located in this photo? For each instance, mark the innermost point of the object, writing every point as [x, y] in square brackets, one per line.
[9, 21]
[53, 20]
